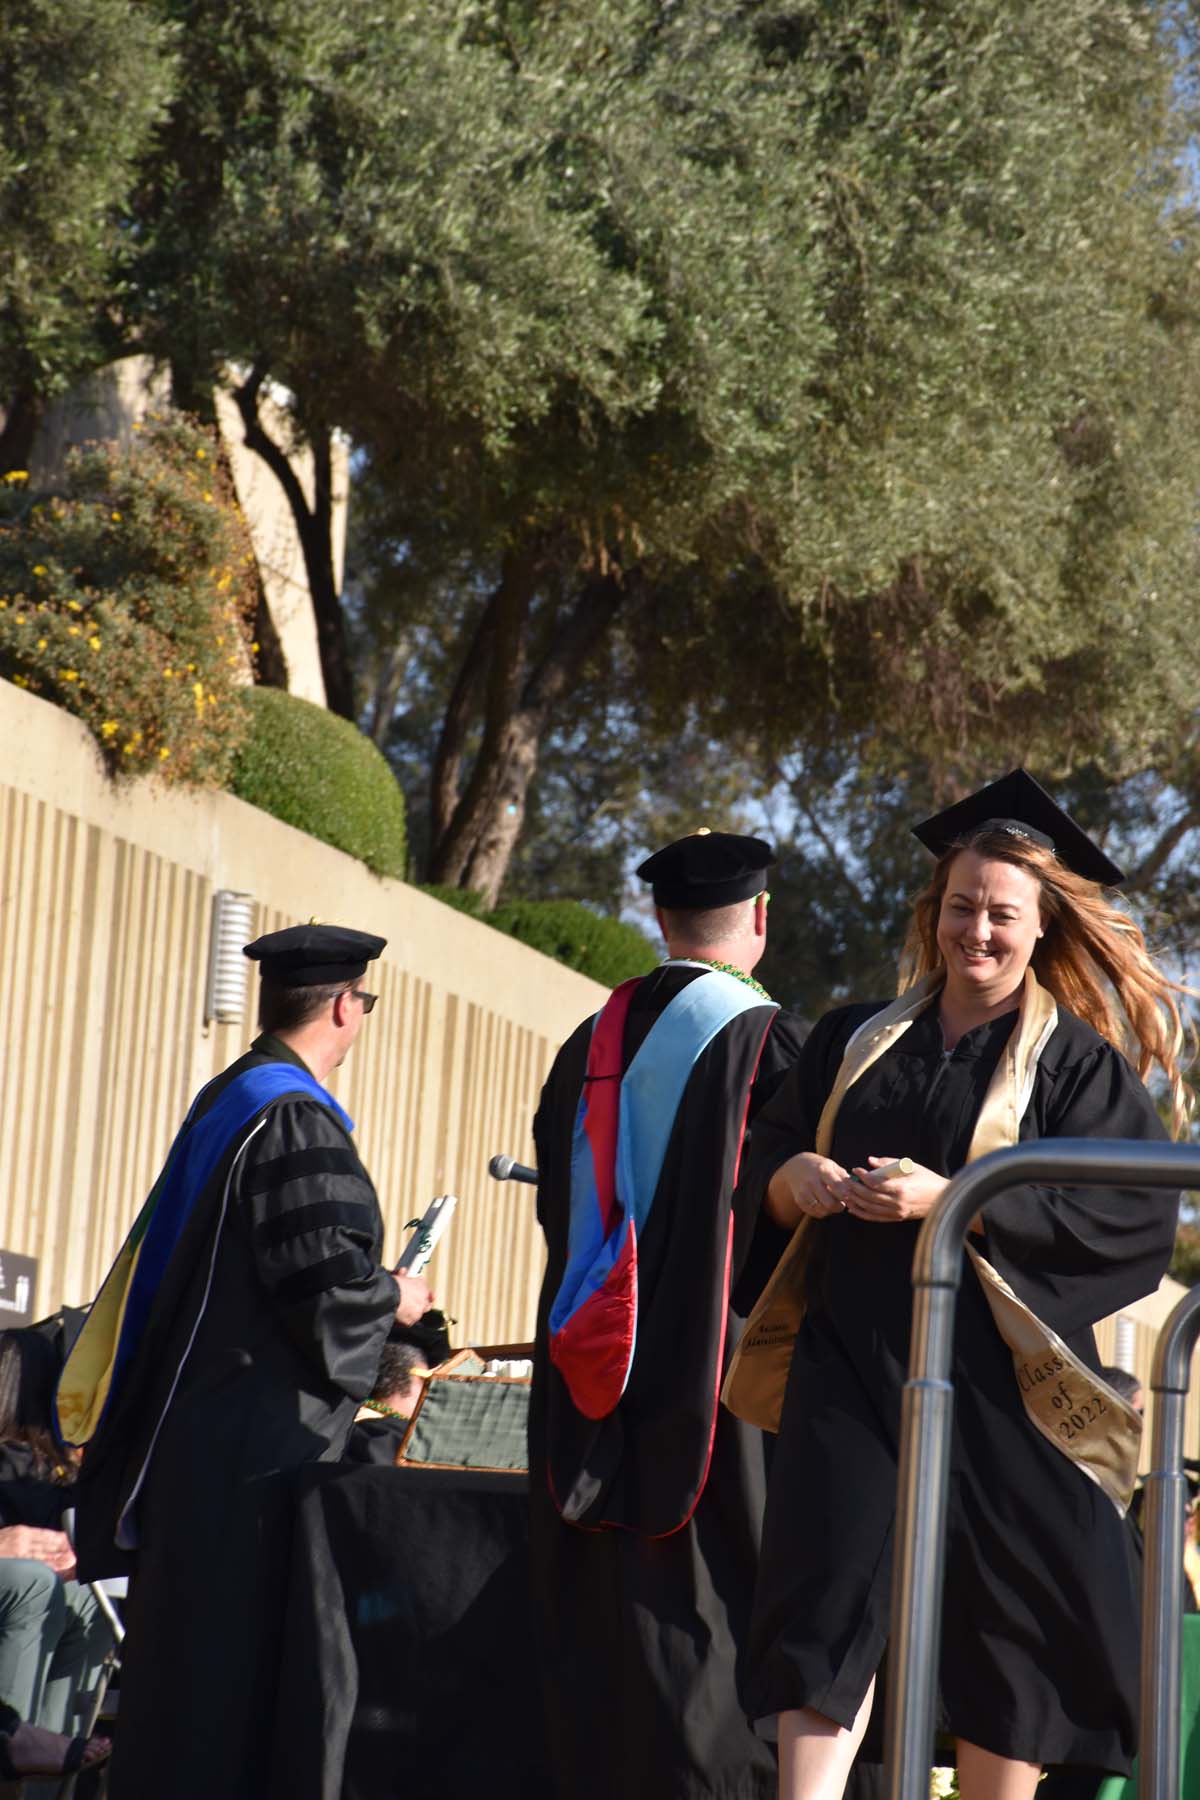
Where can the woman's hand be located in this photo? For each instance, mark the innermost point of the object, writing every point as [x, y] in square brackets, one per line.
[803, 1188]
[899, 1197]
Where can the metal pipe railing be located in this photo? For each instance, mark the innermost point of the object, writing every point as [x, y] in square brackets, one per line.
[1166, 1506]
[925, 1423]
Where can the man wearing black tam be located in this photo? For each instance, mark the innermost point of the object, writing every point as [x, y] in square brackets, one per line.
[251, 1325]
[646, 1500]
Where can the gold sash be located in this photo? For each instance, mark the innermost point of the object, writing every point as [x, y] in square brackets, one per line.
[1066, 1401]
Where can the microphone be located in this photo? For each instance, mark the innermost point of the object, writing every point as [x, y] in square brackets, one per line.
[503, 1168]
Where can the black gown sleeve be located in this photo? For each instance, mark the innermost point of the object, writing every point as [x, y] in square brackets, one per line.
[781, 1052]
[553, 1124]
[758, 1243]
[787, 1124]
[316, 1233]
[1078, 1254]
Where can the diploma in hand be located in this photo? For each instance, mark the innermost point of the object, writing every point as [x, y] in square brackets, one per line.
[427, 1230]
[904, 1165]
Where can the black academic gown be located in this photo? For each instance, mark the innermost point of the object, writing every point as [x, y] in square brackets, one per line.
[286, 1346]
[639, 1633]
[1040, 1623]
[376, 1440]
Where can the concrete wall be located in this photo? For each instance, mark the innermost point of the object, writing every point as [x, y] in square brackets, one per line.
[105, 917]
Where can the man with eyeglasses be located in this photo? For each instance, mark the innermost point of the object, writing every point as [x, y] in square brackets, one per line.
[252, 1312]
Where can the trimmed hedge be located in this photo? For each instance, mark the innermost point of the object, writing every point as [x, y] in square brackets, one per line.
[461, 899]
[606, 949]
[318, 772]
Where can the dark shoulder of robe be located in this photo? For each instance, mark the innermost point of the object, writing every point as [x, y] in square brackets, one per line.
[375, 1441]
[263, 1337]
[639, 1634]
[1039, 1649]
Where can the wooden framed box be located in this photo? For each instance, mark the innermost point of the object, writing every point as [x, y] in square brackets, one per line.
[470, 1417]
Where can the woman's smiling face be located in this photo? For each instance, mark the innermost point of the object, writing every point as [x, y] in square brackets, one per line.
[989, 923]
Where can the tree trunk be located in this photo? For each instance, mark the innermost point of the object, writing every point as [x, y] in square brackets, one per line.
[501, 829]
[19, 430]
[464, 698]
[503, 632]
[475, 848]
[314, 526]
[386, 691]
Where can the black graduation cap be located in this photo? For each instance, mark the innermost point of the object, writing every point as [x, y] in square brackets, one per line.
[1019, 804]
[710, 868]
[314, 955]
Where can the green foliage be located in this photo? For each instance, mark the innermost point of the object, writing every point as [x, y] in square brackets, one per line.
[606, 949]
[848, 867]
[1185, 1264]
[860, 339]
[888, 401]
[319, 773]
[82, 84]
[123, 594]
[461, 899]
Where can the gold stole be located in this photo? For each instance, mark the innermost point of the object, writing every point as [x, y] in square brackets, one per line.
[1065, 1400]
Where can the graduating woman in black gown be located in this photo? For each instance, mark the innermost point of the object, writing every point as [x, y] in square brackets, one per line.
[1006, 1028]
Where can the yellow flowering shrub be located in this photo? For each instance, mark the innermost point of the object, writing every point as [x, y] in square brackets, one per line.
[125, 589]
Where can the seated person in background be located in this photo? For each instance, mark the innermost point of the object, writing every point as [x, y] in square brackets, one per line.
[53, 1636]
[382, 1419]
[29, 1751]
[1127, 1385]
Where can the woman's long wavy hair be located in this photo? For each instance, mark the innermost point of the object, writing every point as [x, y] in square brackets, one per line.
[1087, 943]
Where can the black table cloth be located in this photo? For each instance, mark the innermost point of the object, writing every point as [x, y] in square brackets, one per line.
[409, 1667]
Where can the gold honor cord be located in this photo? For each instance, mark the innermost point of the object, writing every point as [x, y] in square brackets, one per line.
[1066, 1401]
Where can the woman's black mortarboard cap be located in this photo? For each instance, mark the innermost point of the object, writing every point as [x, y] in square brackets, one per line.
[1019, 804]
[314, 955]
[710, 868]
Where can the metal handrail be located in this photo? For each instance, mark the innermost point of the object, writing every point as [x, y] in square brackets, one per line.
[925, 1421]
[1166, 1502]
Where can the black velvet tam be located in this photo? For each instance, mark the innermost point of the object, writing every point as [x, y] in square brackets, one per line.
[314, 955]
[1019, 804]
[710, 868]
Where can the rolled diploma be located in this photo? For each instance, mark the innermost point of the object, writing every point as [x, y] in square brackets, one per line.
[423, 1242]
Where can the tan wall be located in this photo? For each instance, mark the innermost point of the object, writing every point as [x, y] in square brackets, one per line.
[106, 404]
[105, 913]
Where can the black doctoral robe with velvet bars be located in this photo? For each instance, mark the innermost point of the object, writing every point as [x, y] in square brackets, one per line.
[639, 1633]
[286, 1343]
[1039, 1653]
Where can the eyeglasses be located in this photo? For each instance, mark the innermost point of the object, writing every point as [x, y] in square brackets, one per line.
[368, 1000]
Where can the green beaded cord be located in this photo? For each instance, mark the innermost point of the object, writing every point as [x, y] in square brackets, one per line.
[728, 969]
